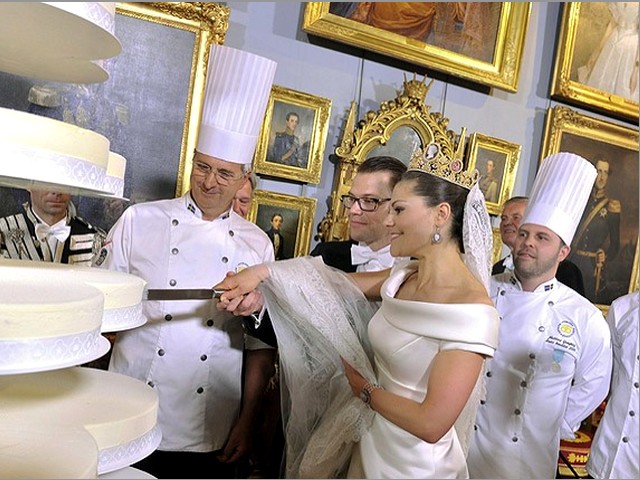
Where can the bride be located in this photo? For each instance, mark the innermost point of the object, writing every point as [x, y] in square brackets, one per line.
[393, 417]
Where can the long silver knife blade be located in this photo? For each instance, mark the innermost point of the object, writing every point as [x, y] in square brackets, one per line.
[181, 294]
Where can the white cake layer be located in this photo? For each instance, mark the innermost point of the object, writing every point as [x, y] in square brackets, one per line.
[29, 450]
[61, 41]
[38, 132]
[116, 166]
[122, 291]
[36, 308]
[115, 409]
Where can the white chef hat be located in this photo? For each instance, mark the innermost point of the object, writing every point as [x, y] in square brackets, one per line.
[235, 100]
[560, 193]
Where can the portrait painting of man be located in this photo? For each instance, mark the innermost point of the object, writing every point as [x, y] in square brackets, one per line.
[290, 135]
[605, 242]
[281, 225]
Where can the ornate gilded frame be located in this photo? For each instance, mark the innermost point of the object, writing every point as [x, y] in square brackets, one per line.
[497, 244]
[371, 135]
[592, 138]
[505, 156]
[299, 209]
[577, 40]
[209, 22]
[313, 112]
[503, 72]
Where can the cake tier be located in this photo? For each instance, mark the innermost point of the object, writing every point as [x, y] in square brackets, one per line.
[36, 149]
[119, 412]
[114, 179]
[37, 451]
[57, 41]
[122, 291]
[48, 323]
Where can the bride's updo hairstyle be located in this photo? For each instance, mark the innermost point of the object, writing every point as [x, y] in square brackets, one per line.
[434, 191]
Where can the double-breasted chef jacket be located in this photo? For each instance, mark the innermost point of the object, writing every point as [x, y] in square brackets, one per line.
[551, 369]
[188, 351]
[615, 448]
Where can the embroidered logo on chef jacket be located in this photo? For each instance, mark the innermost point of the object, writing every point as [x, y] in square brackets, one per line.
[566, 328]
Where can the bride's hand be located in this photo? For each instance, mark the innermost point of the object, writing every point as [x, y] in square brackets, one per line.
[240, 296]
[356, 381]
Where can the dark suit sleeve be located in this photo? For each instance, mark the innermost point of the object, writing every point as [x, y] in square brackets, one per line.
[569, 274]
[498, 267]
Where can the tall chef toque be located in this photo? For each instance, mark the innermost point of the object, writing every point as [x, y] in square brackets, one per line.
[235, 101]
[560, 193]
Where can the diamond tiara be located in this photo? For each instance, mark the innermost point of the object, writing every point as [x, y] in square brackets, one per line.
[440, 159]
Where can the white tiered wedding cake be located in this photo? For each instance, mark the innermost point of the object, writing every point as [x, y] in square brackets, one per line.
[58, 420]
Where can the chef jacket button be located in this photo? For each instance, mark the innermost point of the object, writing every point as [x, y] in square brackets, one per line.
[231, 233]
[151, 384]
[517, 411]
[550, 303]
[514, 439]
[482, 402]
[636, 384]
[523, 384]
[161, 352]
[475, 427]
[632, 413]
[168, 317]
[224, 259]
[200, 390]
[489, 373]
[203, 357]
[532, 356]
[172, 282]
[625, 439]
[541, 328]
[502, 292]
[174, 251]
[174, 222]
[209, 323]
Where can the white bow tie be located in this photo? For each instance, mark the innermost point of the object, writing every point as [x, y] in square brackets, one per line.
[60, 232]
[362, 254]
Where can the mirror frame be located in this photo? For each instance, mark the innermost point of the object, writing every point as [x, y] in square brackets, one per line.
[408, 109]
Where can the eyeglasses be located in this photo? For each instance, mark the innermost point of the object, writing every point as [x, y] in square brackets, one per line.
[223, 177]
[365, 204]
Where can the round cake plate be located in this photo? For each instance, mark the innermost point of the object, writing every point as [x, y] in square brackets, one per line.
[28, 184]
[102, 347]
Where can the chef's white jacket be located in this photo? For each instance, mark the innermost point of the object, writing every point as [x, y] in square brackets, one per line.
[188, 351]
[615, 452]
[551, 370]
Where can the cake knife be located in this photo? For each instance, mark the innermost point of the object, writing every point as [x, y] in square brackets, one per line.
[181, 294]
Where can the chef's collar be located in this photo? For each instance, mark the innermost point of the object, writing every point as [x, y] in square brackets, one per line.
[191, 205]
[543, 287]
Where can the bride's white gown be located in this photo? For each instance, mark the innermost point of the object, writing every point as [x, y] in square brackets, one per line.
[319, 316]
[405, 337]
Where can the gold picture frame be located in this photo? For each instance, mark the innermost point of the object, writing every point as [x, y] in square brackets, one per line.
[489, 155]
[497, 245]
[492, 49]
[297, 214]
[297, 155]
[583, 36]
[612, 148]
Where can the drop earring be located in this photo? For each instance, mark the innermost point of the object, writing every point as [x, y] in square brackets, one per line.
[436, 237]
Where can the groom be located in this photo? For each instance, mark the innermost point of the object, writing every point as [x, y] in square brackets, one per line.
[367, 205]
